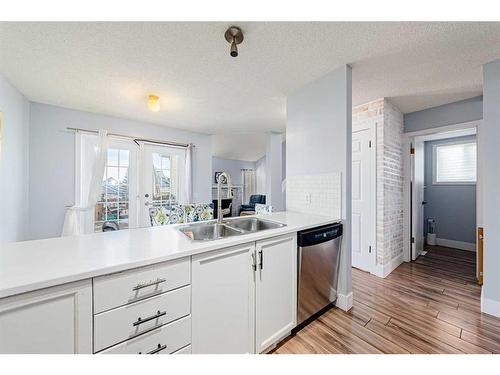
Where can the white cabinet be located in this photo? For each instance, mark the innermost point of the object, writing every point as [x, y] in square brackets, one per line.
[276, 290]
[223, 290]
[170, 338]
[122, 288]
[245, 297]
[53, 320]
[126, 322]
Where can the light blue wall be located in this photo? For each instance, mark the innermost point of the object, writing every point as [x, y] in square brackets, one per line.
[448, 114]
[452, 206]
[319, 140]
[233, 167]
[13, 163]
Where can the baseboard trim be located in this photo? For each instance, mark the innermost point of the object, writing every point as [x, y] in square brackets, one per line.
[344, 301]
[383, 270]
[456, 244]
[490, 307]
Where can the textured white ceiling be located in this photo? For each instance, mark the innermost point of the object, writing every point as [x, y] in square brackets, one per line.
[110, 67]
[240, 146]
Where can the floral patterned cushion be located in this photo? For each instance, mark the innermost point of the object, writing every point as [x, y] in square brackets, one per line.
[166, 215]
[263, 209]
[199, 212]
[182, 213]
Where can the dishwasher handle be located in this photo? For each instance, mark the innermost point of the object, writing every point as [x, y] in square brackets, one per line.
[319, 235]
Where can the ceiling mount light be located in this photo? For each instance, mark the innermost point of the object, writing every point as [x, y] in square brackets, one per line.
[234, 36]
[153, 103]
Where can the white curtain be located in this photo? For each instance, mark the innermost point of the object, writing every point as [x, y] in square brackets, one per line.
[189, 174]
[248, 184]
[72, 220]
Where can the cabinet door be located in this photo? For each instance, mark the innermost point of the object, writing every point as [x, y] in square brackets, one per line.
[276, 290]
[55, 320]
[223, 292]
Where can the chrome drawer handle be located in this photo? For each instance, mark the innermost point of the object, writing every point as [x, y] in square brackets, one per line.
[158, 349]
[151, 283]
[156, 316]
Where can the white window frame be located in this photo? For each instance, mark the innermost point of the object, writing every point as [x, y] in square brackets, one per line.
[434, 162]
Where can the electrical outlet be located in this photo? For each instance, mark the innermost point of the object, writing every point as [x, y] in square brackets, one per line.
[308, 198]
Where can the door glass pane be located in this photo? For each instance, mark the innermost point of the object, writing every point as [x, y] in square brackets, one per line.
[114, 199]
[113, 157]
[163, 180]
[124, 158]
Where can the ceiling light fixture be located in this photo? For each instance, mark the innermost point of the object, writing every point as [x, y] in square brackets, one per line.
[234, 36]
[153, 103]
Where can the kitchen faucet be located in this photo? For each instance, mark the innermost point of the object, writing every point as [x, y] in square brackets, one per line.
[229, 193]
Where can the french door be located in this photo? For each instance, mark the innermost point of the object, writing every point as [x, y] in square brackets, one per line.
[162, 181]
[135, 180]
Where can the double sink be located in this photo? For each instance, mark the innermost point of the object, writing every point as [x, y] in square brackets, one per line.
[211, 230]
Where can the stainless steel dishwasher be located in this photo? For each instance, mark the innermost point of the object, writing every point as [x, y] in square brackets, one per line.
[318, 263]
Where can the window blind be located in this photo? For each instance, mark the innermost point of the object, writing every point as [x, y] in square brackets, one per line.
[455, 163]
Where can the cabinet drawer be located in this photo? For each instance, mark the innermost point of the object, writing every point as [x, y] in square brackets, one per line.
[164, 340]
[185, 350]
[123, 323]
[120, 288]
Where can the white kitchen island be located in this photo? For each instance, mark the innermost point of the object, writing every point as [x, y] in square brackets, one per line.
[151, 290]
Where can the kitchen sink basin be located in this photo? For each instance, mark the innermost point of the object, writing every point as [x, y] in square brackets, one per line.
[209, 231]
[252, 224]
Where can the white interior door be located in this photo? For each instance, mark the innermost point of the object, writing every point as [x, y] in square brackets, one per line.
[417, 199]
[361, 199]
[163, 178]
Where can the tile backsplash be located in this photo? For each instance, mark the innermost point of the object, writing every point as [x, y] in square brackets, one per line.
[315, 194]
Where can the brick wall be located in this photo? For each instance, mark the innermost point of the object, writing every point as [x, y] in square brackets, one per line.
[388, 122]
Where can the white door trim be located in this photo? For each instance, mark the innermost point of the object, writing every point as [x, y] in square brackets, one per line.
[408, 139]
[373, 192]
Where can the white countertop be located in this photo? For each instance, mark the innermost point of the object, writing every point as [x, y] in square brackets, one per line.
[30, 265]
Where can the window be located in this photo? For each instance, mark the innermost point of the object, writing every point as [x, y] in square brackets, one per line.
[165, 180]
[455, 163]
[113, 205]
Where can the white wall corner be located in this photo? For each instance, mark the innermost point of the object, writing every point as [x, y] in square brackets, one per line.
[489, 306]
[383, 270]
[344, 301]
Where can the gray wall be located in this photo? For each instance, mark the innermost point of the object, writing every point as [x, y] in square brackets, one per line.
[233, 167]
[452, 206]
[52, 160]
[274, 168]
[15, 109]
[448, 114]
[489, 163]
[319, 140]
[260, 175]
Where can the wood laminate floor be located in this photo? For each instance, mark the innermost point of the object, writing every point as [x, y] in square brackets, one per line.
[431, 305]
